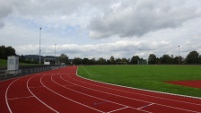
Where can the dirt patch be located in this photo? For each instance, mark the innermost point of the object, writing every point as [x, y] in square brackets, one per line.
[189, 83]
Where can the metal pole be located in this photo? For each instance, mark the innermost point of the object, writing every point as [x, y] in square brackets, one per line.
[40, 46]
[179, 54]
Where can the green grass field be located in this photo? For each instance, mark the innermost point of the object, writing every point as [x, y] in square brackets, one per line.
[3, 63]
[151, 77]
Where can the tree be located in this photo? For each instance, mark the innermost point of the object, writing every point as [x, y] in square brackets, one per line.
[101, 61]
[112, 60]
[6, 51]
[63, 58]
[152, 59]
[2, 52]
[192, 58]
[135, 59]
[166, 59]
[124, 60]
[92, 61]
[85, 61]
[77, 61]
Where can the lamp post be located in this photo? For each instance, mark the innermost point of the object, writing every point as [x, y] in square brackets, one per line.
[179, 55]
[40, 46]
[55, 53]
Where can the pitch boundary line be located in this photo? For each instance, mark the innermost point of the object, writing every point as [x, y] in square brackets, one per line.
[142, 90]
[178, 108]
[138, 93]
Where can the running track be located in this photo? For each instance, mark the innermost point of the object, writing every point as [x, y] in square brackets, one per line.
[61, 90]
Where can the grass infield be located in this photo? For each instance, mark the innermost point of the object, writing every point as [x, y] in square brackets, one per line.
[151, 77]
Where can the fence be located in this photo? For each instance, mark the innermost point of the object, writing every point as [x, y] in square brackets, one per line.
[4, 74]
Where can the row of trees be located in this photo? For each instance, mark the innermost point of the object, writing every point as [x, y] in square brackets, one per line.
[6, 51]
[192, 58]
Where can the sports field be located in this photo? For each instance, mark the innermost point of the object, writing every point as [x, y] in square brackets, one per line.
[151, 77]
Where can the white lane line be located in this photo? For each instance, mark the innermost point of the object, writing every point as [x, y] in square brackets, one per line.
[6, 95]
[99, 98]
[68, 98]
[118, 109]
[104, 100]
[38, 98]
[146, 106]
[20, 98]
[140, 90]
[129, 97]
[133, 98]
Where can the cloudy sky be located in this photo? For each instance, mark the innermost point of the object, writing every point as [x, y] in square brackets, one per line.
[101, 28]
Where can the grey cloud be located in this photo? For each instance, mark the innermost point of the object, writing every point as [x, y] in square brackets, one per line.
[141, 17]
[5, 10]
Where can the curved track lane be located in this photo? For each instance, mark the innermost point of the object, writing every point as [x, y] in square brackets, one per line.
[62, 91]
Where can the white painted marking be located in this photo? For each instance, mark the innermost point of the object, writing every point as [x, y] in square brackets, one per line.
[20, 98]
[68, 98]
[6, 95]
[38, 98]
[130, 92]
[118, 109]
[146, 106]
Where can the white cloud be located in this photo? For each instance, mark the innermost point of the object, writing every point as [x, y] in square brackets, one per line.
[136, 18]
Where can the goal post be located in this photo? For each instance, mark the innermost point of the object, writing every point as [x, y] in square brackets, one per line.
[143, 62]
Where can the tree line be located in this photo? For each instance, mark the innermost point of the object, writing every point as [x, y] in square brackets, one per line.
[192, 58]
[6, 51]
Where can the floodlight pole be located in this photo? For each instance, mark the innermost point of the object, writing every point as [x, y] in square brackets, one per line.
[179, 54]
[40, 46]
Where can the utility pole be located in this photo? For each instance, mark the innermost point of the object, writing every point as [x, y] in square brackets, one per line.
[40, 46]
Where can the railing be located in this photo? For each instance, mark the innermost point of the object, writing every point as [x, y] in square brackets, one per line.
[4, 74]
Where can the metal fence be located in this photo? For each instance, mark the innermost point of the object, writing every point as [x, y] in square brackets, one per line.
[4, 74]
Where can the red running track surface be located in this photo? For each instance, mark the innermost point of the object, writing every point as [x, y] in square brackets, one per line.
[62, 91]
[189, 83]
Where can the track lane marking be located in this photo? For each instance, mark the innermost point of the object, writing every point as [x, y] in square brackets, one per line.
[134, 89]
[20, 98]
[6, 95]
[38, 98]
[68, 98]
[146, 106]
[102, 92]
[104, 100]
[178, 108]
[119, 109]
